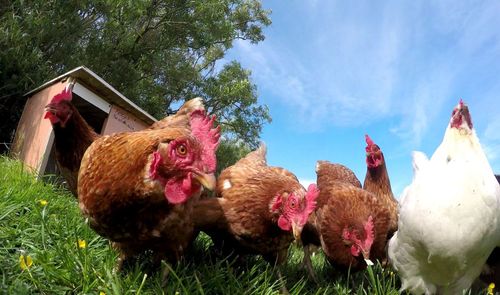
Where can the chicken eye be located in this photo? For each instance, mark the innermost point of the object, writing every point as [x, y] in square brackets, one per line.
[181, 150]
[293, 203]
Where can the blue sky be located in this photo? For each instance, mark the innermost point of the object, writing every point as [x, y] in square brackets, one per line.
[332, 71]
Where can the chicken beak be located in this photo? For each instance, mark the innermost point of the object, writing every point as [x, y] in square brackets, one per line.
[366, 256]
[207, 180]
[297, 231]
[49, 108]
[50, 113]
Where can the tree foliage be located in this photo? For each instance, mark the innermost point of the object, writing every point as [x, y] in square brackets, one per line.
[229, 152]
[157, 53]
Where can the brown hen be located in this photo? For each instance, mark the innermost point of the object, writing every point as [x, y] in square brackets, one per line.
[138, 188]
[350, 224]
[72, 136]
[259, 211]
[377, 182]
[332, 173]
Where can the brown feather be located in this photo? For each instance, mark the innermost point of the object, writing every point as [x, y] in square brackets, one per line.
[343, 204]
[123, 204]
[377, 182]
[350, 206]
[73, 139]
[331, 173]
[241, 219]
[126, 204]
[71, 142]
[328, 172]
[181, 117]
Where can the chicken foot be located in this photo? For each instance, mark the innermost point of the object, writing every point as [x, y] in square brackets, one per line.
[307, 263]
[127, 256]
[277, 260]
[284, 290]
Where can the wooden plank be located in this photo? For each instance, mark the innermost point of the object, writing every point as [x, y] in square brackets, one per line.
[91, 97]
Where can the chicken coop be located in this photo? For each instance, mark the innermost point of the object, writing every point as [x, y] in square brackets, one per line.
[102, 106]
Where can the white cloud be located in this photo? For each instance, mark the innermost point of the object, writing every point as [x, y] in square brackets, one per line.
[348, 68]
[423, 104]
[348, 65]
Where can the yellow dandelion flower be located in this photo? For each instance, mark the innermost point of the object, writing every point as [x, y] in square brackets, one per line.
[43, 202]
[491, 287]
[102, 293]
[82, 244]
[25, 262]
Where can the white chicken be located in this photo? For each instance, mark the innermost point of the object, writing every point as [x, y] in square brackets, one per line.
[448, 220]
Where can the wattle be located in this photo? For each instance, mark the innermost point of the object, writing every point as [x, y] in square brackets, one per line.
[354, 251]
[52, 118]
[373, 161]
[177, 190]
[284, 223]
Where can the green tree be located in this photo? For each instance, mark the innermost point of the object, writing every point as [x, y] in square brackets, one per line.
[229, 152]
[157, 53]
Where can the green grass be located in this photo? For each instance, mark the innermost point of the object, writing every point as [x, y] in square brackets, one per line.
[49, 234]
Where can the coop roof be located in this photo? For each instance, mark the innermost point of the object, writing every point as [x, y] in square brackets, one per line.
[107, 92]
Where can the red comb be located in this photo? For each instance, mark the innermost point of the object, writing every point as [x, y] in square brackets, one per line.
[278, 201]
[311, 196]
[201, 128]
[369, 233]
[369, 141]
[66, 94]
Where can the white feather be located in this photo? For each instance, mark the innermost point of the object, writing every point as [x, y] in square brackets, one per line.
[226, 184]
[420, 160]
